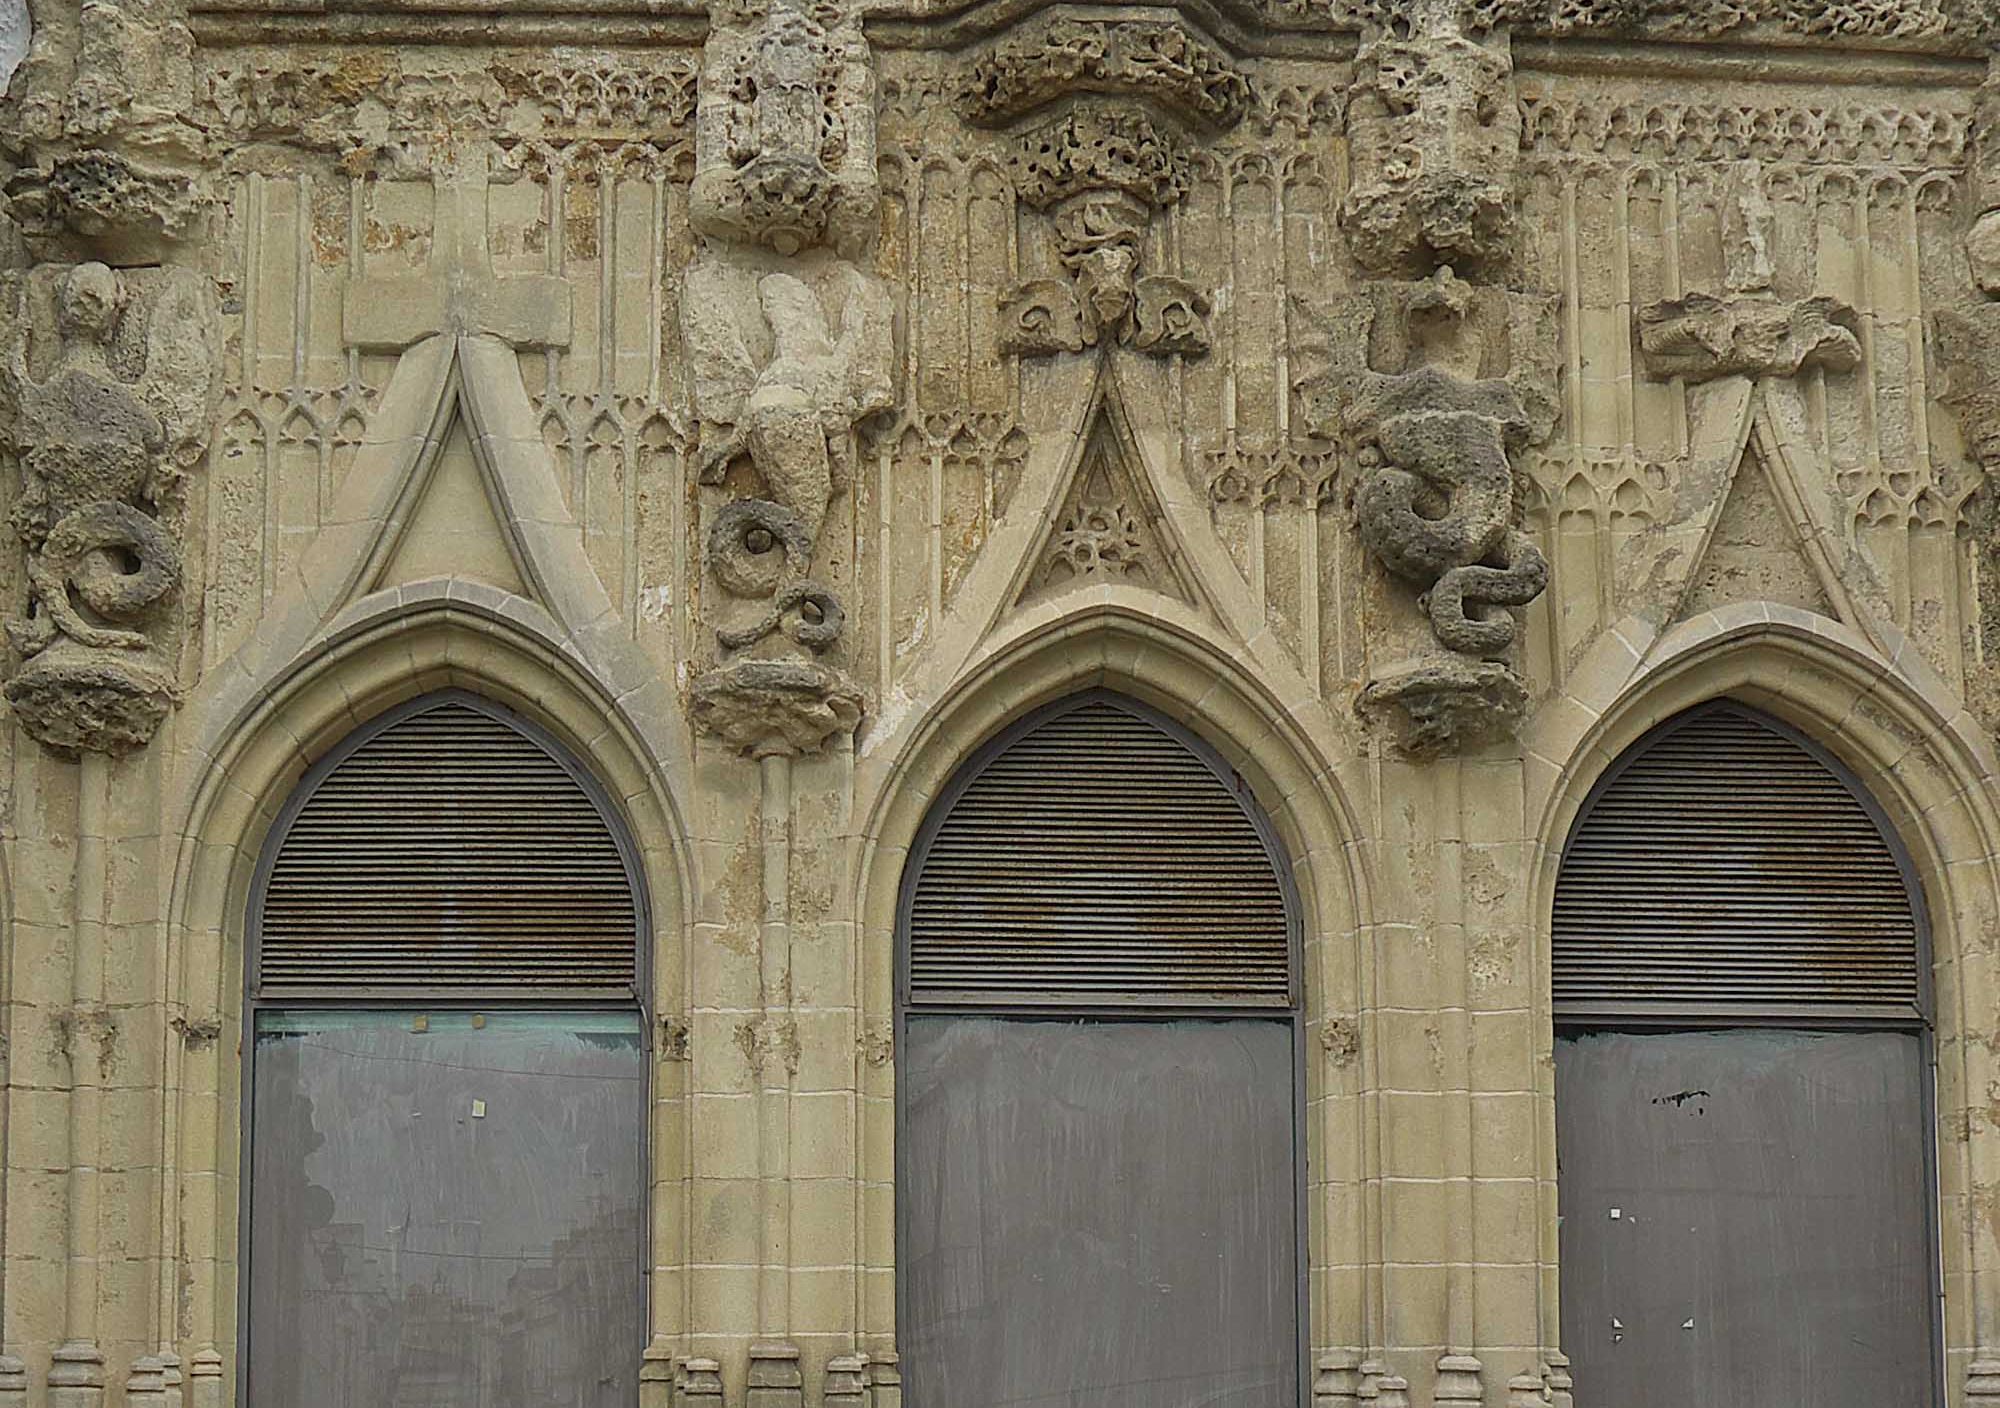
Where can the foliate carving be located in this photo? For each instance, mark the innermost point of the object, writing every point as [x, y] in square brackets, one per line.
[790, 350]
[1129, 94]
[1701, 337]
[785, 130]
[103, 439]
[1061, 55]
[1435, 131]
[1703, 19]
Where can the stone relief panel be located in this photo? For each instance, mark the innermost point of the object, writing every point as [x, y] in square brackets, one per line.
[109, 388]
[1635, 205]
[574, 167]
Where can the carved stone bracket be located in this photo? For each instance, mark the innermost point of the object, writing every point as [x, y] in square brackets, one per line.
[1102, 107]
[103, 437]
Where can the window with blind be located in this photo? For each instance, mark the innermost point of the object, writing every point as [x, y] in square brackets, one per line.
[1742, 1101]
[448, 1078]
[1098, 982]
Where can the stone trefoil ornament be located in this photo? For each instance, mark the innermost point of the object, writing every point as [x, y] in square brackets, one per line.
[102, 449]
[1106, 108]
[790, 344]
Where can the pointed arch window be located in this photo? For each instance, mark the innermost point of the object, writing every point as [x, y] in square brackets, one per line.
[447, 1077]
[1742, 1081]
[1099, 1159]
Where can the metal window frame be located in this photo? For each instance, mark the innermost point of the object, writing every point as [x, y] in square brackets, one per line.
[639, 1002]
[1582, 1019]
[1292, 1013]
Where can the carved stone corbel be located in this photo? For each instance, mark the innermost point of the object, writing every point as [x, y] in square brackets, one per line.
[104, 427]
[1748, 330]
[1102, 109]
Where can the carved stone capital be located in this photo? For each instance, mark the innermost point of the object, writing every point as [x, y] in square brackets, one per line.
[761, 707]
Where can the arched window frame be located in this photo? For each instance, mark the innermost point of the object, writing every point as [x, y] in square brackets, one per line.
[1922, 1022]
[360, 998]
[1292, 1013]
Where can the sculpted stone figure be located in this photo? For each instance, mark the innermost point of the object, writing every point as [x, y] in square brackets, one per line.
[1438, 435]
[790, 347]
[783, 383]
[100, 457]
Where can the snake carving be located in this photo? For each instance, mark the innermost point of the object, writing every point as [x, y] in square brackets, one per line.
[1436, 499]
[95, 454]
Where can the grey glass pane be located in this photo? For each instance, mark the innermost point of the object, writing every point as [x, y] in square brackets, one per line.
[445, 1210]
[1098, 1213]
[1745, 1218]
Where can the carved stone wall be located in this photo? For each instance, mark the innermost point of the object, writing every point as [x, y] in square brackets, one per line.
[1413, 397]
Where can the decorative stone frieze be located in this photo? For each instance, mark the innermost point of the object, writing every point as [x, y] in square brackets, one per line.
[103, 436]
[1102, 108]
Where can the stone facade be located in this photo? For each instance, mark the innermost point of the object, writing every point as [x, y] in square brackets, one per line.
[1418, 399]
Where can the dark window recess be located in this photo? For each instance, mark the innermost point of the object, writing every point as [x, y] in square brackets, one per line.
[1097, 859]
[1743, 1123]
[447, 1210]
[1724, 868]
[448, 853]
[1098, 1156]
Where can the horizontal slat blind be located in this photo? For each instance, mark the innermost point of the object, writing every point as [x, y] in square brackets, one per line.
[1096, 859]
[448, 853]
[1726, 867]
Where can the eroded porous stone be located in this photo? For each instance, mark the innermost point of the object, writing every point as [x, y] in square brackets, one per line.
[1435, 132]
[1701, 337]
[103, 448]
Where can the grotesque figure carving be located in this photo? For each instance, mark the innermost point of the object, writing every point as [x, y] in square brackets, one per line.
[1435, 131]
[1438, 436]
[791, 348]
[1131, 92]
[1438, 371]
[100, 457]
